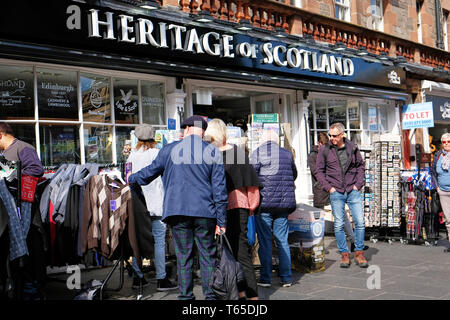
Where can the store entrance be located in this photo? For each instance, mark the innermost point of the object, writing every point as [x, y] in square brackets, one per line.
[233, 106]
[436, 133]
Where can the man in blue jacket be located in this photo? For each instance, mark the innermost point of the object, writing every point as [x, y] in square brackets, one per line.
[195, 201]
[340, 171]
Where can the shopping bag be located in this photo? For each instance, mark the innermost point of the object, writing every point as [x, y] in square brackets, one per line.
[29, 184]
[227, 272]
[251, 230]
[435, 203]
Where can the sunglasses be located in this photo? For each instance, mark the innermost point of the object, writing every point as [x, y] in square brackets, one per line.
[334, 135]
[446, 142]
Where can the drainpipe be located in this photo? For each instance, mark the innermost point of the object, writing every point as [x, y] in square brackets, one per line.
[439, 33]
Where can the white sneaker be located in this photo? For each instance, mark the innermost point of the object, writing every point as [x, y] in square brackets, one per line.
[286, 284]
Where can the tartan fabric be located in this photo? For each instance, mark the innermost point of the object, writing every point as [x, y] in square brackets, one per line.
[18, 228]
[186, 230]
[101, 227]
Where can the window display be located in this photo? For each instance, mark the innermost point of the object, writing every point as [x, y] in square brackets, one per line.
[59, 144]
[126, 101]
[24, 132]
[16, 93]
[153, 109]
[337, 110]
[98, 144]
[95, 98]
[57, 94]
[123, 137]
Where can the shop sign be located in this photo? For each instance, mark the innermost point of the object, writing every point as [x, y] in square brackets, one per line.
[108, 31]
[419, 115]
[441, 107]
[265, 118]
[373, 120]
[171, 124]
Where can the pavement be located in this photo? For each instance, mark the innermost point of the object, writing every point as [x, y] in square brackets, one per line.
[397, 271]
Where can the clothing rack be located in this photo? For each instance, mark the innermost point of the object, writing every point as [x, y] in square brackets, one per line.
[120, 261]
[18, 168]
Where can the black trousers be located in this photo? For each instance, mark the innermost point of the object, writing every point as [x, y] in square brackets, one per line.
[236, 233]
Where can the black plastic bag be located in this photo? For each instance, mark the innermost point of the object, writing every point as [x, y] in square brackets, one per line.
[227, 272]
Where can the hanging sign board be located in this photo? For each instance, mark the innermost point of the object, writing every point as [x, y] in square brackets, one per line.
[419, 115]
[441, 108]
[265, 118]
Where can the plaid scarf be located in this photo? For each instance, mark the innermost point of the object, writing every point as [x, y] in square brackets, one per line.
[445, 160]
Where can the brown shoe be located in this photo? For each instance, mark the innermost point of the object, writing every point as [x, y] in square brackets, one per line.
[360, 260]
[345, 259]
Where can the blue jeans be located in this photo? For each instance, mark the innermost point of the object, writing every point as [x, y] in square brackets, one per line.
[353, 200]
[159, 234]
[266, 223]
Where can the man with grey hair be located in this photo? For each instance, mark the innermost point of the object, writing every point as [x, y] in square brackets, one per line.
[340, 171]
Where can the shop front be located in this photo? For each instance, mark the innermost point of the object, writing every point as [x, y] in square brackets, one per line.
[439, 95]
[76, 79]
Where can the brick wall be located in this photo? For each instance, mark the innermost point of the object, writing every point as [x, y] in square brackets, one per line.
[400, 16]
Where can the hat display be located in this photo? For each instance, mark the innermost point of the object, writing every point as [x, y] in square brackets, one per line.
[144, 132]
[195, 121]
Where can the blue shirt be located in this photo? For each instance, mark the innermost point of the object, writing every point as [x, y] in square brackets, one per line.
[193, 177]
[443, 176]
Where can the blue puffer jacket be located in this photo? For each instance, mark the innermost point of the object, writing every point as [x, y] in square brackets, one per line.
[276, 171]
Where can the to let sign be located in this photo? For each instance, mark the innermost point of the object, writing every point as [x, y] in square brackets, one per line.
[419, 115]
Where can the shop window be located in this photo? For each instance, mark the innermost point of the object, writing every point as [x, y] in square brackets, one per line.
[337, 110]
[264, 106]
[376, 9]
[123, 137]
[24, 132]
[382, 111]
[321, 114]
[355, 137]
[126, 101]
[96, 102]
[16, 93]
[342, 9]
[59, 144]
[57, 94]
[153, 110]
[354, 116]
[98, 143]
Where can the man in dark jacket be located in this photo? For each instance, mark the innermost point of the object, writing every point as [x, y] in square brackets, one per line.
[340, 171]
[195, 201]
[277, 172]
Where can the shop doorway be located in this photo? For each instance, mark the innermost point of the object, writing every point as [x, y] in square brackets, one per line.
[234, 106]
